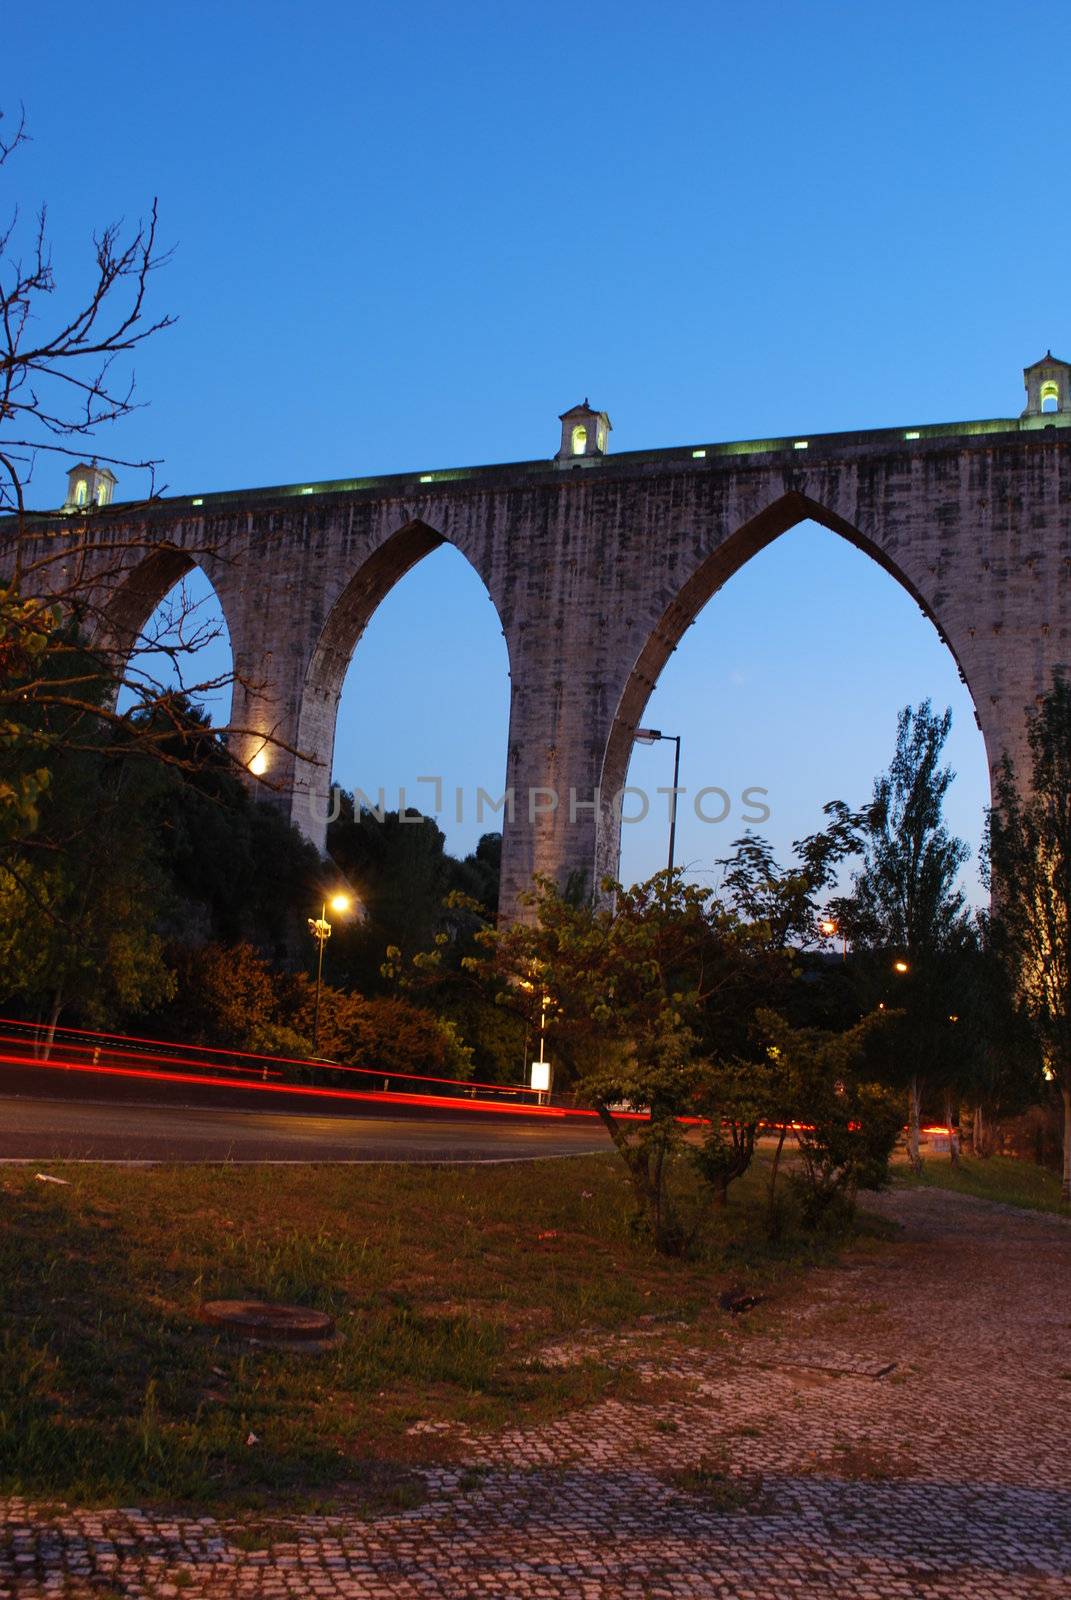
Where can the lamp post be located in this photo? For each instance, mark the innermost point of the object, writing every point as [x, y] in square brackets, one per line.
[542, 1077]
[652, 736]
[320, 929]
[541, 1070]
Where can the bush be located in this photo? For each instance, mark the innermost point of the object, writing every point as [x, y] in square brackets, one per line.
[845, 1149]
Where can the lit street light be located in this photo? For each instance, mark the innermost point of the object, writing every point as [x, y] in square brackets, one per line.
[542, 1073]
[652, 736]
[320, 929]
[830, 928]
[900, 966]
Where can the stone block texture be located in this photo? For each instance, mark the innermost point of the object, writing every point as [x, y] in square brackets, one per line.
[595, 575]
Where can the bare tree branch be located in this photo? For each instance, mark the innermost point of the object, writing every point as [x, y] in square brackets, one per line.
[65, 652]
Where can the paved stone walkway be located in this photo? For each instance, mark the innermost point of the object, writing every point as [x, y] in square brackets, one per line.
[903, 1432]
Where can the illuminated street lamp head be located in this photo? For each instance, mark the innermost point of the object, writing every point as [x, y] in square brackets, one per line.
[339, 903]
[258, 764]
[900, 966]
[828, 927]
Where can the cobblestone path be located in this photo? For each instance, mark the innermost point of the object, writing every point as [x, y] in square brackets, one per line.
[898, 1429]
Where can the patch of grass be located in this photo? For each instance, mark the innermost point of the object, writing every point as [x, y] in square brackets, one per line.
[252, 1536]
[1002, 1178]
[710, 1481]
[473, 1478]
[445, 1282]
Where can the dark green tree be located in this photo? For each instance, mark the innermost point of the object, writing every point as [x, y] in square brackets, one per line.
[397, 866]
[82, 894]
[1029, 848]
[906, 917]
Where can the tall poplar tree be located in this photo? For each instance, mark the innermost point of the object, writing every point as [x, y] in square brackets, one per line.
[1030, 869]
[906, 910]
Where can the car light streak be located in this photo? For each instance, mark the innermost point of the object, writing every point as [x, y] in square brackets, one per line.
[136, 1055]
[310, 1091]
[121, 1041]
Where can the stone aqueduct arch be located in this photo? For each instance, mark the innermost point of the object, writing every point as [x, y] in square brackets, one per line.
[597, 564]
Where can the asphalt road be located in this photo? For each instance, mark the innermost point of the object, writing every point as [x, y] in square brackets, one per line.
[47, 1127]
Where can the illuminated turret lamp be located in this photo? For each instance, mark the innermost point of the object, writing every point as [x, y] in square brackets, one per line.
[585, 436]
[89, 485]
[1048, 388]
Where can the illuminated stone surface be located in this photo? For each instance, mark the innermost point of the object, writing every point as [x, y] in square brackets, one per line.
[944, 1480]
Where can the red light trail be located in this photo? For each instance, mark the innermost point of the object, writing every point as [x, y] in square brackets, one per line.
[311, 1091]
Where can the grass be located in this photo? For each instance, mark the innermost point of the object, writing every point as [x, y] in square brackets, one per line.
[445, 1282]
[710, 1481]
[1002, 1178]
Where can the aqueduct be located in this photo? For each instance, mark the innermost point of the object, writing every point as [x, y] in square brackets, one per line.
[597, 563]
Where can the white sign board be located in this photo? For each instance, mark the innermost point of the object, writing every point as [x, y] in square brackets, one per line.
[541, 1076]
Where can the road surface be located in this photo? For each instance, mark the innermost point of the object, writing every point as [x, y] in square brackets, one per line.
[38, 1126]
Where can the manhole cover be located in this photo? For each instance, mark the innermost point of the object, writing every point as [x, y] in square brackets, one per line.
[271, 1324]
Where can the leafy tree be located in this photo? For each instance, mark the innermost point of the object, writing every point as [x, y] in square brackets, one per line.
[477, 876]
[738, 1099]
[24, 638]
[631, 982]
[1029, 848]
[787, 900]
[906, 906]
[225, 996]
[783, 906]
[382, 1034]
[80, 930]
[844, 1127]
[401, 871]
[231, 995]
[502, 1044]
[1000, 1065]
[239, 869]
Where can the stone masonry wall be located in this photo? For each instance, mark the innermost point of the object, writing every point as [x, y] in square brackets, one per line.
[595, 575]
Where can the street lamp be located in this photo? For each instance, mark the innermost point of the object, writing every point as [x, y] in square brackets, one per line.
[830, 928]
[541, 1069]
[652, 736]
[900, 966]
[320, 929]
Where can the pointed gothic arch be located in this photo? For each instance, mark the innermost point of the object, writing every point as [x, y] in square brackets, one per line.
[124, 624]
[336, 643]
[680, 610]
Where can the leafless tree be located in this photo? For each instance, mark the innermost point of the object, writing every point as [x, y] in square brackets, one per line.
[61, 382]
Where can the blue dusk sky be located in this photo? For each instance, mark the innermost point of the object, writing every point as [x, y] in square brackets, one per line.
[409, 236]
